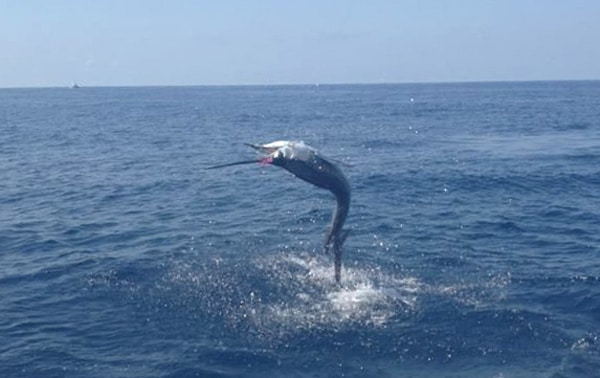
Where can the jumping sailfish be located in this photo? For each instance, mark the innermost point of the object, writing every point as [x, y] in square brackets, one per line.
[308, 164]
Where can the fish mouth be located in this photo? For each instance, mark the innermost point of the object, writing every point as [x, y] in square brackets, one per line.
[263, 160]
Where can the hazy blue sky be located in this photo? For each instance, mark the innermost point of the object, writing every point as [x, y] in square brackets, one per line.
[148, 42]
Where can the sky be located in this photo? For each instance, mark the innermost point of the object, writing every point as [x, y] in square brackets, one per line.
[236, 42]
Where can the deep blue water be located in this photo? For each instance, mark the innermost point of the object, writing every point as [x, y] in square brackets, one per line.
[474, 250]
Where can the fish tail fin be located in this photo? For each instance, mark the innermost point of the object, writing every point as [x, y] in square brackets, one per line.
[338, 266]
[337, 251]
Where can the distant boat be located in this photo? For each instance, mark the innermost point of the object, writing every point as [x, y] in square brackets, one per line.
[74, 86]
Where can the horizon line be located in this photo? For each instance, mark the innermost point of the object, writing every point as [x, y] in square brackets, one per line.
[315, 84]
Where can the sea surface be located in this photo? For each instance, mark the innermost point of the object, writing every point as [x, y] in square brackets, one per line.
[474, 248]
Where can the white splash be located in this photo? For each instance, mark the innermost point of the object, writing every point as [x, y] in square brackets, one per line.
[367, 296]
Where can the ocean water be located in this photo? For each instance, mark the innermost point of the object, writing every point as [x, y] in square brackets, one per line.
[474, 248]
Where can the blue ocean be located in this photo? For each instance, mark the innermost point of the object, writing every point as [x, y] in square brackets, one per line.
[474, 248]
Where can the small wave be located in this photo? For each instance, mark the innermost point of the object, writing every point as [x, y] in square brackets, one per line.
[382, 144]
